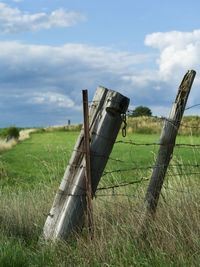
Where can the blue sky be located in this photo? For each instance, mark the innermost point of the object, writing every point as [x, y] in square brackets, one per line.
[52, 49]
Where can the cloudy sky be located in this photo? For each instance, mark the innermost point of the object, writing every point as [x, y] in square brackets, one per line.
[52, 49]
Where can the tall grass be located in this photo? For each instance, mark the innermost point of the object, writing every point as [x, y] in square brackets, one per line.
[173, 237]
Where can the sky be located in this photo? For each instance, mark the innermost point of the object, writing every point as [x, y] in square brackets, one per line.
[52, 49]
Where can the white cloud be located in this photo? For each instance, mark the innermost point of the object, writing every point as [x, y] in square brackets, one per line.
[179, 51]
[22, 57]
[12, 20]
[141, 78]
[37, 99]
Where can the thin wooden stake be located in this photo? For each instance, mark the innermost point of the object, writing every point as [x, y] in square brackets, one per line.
[167, 142]
[88, 164]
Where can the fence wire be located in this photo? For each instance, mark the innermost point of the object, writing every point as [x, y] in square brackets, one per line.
[184, 169]
[181, 169]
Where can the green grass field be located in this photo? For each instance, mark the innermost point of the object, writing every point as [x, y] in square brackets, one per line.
[31, 172]
[44, 157]
[41, 158]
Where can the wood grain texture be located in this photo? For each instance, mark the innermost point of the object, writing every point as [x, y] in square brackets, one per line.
[69, 206]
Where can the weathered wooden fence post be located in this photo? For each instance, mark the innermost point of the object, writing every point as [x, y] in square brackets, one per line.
[167, 142]
[69, 206]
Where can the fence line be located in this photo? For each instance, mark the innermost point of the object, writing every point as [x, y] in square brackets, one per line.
[182, 167]
[162, 118]
[110, 189]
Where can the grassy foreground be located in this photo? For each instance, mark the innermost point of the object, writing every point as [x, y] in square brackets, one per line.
[30, 174]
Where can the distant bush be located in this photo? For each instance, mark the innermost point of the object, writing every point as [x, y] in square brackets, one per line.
[39, 130]
[12, 131]
[141, 111]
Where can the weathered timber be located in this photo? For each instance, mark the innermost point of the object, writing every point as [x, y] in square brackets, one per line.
[69, 206]
[167, 142]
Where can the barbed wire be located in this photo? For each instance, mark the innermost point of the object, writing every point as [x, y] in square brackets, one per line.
[180, 167]
[152, 167]
[155, 144]
[123, 184]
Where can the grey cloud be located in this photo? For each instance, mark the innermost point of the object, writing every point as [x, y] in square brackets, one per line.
[44, 79]
[41, 85]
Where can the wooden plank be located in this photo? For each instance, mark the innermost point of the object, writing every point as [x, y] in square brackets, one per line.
[69, 207]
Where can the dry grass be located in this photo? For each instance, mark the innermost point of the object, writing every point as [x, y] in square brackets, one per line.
[4, 146]
[173, 237]
[25, 134]
[70, 128]
[22, 213]
[152, 125]
[149, 125]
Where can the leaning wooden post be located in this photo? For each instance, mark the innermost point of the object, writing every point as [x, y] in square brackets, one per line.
[88, 164]
[74, 165]
[167, 142]
[70, 204]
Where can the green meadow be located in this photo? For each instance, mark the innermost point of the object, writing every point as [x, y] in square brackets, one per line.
[31, 172]
[42, 158]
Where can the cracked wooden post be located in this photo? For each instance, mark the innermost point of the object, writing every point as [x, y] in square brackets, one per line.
[69, 207]
[167, 142]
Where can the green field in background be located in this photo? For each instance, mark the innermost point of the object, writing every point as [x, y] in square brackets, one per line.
[44, 158]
